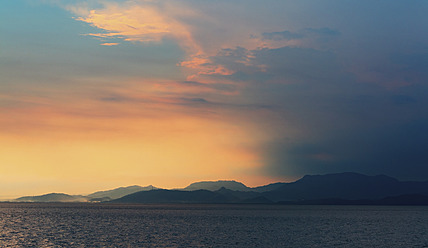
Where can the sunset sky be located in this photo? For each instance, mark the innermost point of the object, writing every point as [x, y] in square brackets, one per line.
[99, 94]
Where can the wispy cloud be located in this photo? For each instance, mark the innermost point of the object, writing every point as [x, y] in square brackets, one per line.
[143, 24]
[149, 22]
[109, 44]
[140, 21]
[155, 21]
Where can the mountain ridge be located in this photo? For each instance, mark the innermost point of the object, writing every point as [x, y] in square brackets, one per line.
[119, 192]
[216, 185]
[52, 197]
[347, 187]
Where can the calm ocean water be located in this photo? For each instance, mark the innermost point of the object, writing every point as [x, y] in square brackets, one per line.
[97, 225]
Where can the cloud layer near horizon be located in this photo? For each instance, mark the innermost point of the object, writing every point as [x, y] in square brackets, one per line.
[276, 89]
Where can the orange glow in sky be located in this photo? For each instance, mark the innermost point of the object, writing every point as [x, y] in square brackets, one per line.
[105, 93]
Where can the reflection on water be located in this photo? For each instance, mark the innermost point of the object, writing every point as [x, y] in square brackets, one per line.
[98, 225]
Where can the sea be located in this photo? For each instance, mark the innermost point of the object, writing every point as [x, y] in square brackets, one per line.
[184, 225]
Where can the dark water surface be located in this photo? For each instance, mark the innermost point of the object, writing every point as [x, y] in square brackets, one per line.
[99, 225]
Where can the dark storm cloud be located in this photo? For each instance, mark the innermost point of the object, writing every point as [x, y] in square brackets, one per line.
[374, 133]
[396, 150]
[344, 123]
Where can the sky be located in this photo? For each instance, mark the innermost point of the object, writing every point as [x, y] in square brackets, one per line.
[99, 94]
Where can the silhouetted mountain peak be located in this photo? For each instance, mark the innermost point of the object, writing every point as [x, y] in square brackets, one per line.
[216, 185]
[223, 189]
